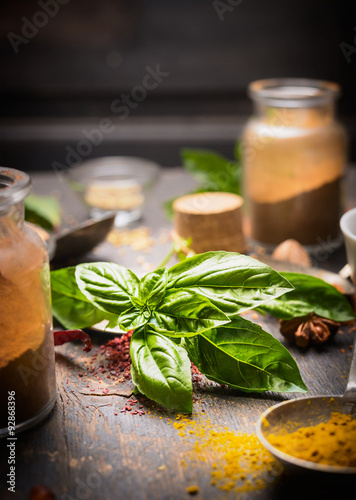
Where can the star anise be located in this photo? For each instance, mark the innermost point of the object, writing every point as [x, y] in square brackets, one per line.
[309, 329]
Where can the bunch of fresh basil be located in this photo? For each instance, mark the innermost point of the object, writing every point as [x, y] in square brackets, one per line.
[191, 312]
[188, 312]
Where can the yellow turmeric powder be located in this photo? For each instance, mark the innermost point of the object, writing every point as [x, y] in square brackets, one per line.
[238, 461]
[330, 443]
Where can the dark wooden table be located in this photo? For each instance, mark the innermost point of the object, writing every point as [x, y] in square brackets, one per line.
[89, 448]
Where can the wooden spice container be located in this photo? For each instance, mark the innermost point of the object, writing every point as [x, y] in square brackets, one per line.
[212, 220]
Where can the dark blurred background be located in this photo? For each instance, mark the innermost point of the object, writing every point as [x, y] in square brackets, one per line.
[182, 66]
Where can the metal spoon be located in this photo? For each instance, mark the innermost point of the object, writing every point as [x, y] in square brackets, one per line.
[305, 412]
[80, 239]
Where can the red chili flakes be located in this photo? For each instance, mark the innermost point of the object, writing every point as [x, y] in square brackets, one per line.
[114, 361]
[117, 354]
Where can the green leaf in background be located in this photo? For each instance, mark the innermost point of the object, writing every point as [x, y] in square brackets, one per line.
[70, 307]
[238, 152]
[160, 370]
[212, 170]
[108, 286]
[184, 312]
[242, 355]
[45, 211]
[232, 282]
[310, 295]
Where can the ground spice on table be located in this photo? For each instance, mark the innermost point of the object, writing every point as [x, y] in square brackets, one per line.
[116, 362]
[137, 239]
[330, 443]
[239, 463]
[117, 356]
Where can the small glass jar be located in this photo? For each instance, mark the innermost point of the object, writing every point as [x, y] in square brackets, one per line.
[27, 374]
[294, 155]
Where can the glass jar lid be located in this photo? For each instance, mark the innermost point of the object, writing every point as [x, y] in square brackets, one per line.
[14, 186]
[293, 92]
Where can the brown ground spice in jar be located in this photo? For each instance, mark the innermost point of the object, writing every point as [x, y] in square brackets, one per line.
[27, 364]
[32, 377]
[309, 217]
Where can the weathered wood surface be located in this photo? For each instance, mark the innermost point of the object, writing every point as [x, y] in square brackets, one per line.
[89, 449]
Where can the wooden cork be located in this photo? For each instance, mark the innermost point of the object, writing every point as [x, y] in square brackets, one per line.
[212, 220]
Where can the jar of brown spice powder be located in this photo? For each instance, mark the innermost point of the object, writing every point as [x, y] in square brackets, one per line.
[27, 376]
[294, 155]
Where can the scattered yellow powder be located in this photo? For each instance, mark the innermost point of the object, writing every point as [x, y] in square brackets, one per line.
[329, 443]
[239, 463]
[192, 490]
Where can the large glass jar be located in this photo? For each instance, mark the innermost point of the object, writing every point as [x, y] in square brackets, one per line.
[27, 376]
[294, 155]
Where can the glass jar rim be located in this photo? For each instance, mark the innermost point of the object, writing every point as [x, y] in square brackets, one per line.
[293, 92]
[14, 186]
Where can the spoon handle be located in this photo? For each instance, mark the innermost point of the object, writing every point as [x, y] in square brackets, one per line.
[350, 391]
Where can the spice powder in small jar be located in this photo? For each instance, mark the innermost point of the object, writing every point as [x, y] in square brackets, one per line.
[294, 155]
[27, 363]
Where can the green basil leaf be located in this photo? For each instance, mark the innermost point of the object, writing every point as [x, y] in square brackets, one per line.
[137, 302]
[161, 370]
[108, 286]
[153, 286]
[242, 355]
[213, 170]
[69, 305]
[232, 282]
[310, 295]
[184, 312]
[133, 318]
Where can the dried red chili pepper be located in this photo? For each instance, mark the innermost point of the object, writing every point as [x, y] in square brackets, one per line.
[62, 337]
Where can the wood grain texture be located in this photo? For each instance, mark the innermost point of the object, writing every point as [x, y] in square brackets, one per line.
[213, 221]
[85, 451]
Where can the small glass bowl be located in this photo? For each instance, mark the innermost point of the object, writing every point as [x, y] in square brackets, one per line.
[115, 184]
